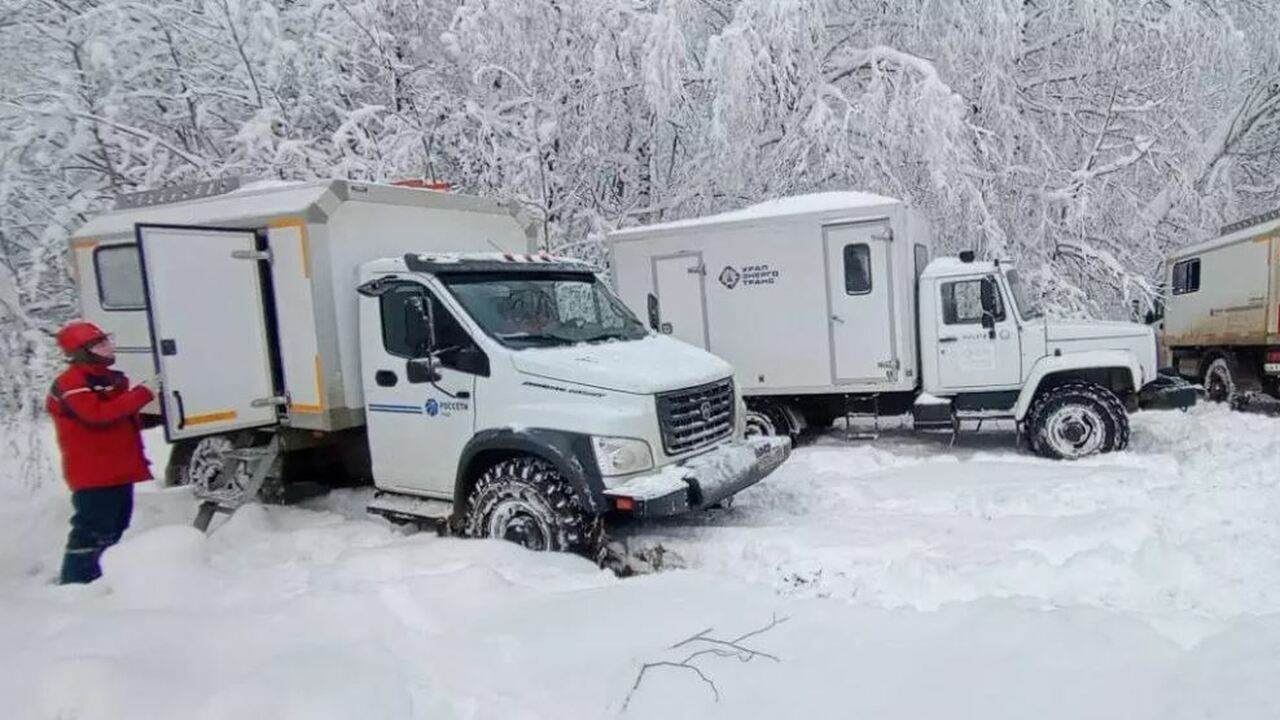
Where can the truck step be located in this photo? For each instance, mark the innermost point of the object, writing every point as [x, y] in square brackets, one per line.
[399, 506]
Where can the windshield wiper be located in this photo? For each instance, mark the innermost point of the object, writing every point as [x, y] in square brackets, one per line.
[614, 335]
[537, 337]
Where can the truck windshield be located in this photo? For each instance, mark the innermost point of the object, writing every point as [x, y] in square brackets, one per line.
[540, 309]
[1027, 307]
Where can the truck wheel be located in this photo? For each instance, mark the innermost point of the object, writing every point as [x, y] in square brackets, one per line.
[1219, 381]
[772, 419]
[759, 424]
[200, 463]
[527, 501]
[1077, 419]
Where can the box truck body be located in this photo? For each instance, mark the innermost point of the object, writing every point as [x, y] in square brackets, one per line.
[745, 285]
[1222, 310]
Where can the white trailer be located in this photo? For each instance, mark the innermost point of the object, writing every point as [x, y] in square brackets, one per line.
[829, 305]
[1222, 310]
[337, 330]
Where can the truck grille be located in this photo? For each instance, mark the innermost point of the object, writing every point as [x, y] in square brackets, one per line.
[695, 417]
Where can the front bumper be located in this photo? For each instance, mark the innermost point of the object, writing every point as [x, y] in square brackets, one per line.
[700, 481]
[1167, 392]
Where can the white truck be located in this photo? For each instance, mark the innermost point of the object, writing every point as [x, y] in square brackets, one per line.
[1222, 311]
[828, 305]
[338, 330]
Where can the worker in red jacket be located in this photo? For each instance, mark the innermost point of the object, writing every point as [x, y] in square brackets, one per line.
[95, 413]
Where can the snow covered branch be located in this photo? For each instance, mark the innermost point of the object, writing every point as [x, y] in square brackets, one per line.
[708, 647]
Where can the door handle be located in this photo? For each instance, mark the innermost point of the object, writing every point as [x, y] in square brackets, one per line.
[385, 378]
[182, 411]
[837, 318]
[462, 395]
[947, 339]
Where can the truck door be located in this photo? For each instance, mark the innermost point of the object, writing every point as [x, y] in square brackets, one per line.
[416, 430]
[970, 354]
[210, 337]
[859, 292]
[678, 285]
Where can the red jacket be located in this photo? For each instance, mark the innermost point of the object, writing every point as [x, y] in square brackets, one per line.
[95, 413]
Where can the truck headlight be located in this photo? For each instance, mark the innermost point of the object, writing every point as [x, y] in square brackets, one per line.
[621, 456]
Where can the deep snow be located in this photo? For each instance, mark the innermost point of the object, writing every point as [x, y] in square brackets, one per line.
[916, 581]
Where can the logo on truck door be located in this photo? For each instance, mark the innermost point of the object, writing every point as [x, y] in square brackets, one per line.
[447, 408]
[749, 275]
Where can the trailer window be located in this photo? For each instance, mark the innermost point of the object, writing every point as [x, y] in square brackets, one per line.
[396, 316]
[1186, 276]
[962, 302]
[119, 276]
[857, 269]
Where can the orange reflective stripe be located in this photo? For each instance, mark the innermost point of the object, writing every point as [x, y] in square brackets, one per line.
[212, 417]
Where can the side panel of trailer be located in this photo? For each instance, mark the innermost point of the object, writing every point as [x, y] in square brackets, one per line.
[801, 304]
[1220, 295]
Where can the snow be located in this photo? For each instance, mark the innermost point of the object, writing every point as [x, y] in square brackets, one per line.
[448, 258]
[911, 579]
[776, 208]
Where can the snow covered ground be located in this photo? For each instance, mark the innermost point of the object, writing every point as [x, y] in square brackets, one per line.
[907, 579]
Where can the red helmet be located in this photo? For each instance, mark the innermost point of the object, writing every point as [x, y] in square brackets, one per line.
[78, 335]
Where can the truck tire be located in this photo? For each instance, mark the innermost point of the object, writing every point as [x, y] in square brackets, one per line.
[773, 419]
[199, 463]
[527, 501]
[1077, 419]
[1220, 381]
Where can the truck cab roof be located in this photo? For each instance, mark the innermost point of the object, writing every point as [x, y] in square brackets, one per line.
[952, 266]
[479, 262]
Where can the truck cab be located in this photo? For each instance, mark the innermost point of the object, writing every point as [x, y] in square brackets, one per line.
[988, 351]
[517, 394]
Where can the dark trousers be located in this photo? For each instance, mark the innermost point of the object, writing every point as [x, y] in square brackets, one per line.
[101, 516]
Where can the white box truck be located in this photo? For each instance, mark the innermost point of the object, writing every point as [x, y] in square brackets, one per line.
[828, 305]
[1222, 310]
[338, 330]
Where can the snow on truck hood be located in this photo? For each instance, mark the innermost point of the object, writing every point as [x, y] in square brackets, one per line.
[1094, 330]
[651, 365]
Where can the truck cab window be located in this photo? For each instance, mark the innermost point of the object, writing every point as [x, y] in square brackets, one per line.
[962, 302]
[1186, 276]
[397, 314]
[857, 269]
[119, 276]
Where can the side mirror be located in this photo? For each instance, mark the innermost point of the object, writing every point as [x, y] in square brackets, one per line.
[988, 321]
[990, 303]
[470, 360]
[655, 320]
[419, 334]
[422, 370]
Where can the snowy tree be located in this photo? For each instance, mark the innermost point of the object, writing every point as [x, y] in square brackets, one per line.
[1083, 139]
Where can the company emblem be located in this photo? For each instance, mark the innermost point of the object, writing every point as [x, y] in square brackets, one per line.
[729, 277]
[432, 407]
[707, 412]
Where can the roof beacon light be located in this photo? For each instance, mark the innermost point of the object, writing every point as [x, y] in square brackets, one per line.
[966, 256]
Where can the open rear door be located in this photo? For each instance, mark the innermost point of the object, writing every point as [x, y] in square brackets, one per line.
[209, 331]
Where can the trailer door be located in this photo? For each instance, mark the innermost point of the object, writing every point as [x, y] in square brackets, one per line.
[859, 293]
[207, 310]
[682, 307]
